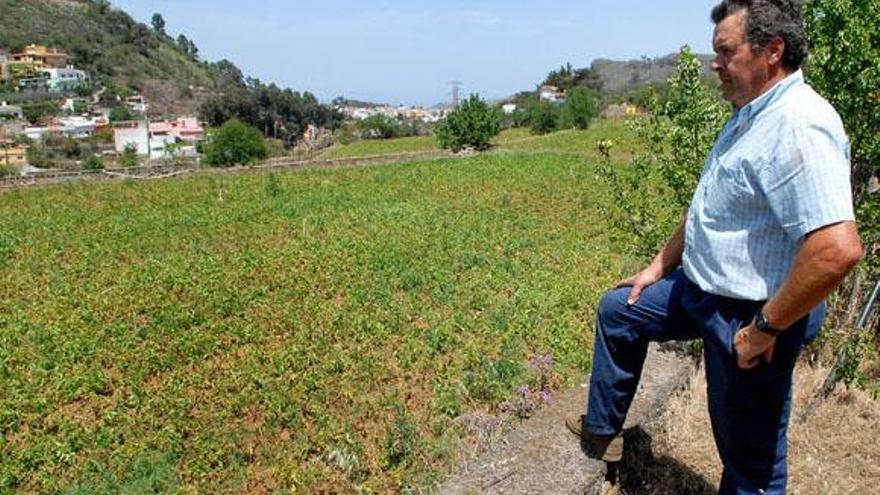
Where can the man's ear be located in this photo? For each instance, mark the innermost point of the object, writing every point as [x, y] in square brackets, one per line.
[775, 49]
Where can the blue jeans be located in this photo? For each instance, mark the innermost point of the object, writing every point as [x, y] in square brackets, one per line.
[749, 409]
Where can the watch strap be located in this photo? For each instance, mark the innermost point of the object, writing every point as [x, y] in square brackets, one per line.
[764, 326]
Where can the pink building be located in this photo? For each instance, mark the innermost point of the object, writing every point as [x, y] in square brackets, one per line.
[185, 129]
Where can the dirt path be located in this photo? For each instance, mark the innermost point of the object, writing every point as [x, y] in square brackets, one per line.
[669, 446]
[541, 456]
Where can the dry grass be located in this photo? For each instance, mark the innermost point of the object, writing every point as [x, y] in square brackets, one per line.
[836, 451]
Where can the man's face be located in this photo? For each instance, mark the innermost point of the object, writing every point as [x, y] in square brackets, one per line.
[742, 70]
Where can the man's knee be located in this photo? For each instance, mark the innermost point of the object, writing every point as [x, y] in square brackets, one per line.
[612, 305]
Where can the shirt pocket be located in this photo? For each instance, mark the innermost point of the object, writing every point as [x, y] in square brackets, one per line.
[729, 196]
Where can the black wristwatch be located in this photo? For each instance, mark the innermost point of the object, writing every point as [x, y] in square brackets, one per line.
[764, 326]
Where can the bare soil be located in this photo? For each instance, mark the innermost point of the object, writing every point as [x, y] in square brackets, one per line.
[166, 100]
[669, 446]
[836, 451]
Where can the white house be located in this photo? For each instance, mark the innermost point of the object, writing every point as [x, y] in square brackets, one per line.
[159, 144]
[508, 108]
[64, 79]
[77, 127]
[551, 94]
[136, 133]
[36, 133]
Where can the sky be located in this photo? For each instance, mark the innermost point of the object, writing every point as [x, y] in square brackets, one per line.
[407, 52]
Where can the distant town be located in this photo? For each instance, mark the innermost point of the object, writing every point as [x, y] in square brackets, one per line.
[52, 102]
[56, 117]
[56, 103]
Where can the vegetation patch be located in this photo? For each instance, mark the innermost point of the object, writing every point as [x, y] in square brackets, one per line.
[369, 147]
[308, 331]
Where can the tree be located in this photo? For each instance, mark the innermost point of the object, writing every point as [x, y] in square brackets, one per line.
[543, 117]
[100, 6]
[580, 107]
[235, 143]
[474, 124]
[35, 112]
[588, 78]
[158, 24]
[678, 134]
[192, 50]
[183, 43]
[562, 78]
[567, 77]
[844, 38]
[121, 114]
[227, 75]
[279, 113]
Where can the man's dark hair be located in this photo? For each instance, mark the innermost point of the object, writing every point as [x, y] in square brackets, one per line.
[767, 19]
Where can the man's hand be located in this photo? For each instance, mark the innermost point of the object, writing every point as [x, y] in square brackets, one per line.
[639, 281]
[665, 262]
[751, 344]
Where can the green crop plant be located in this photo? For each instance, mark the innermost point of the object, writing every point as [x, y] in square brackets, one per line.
[314, 330]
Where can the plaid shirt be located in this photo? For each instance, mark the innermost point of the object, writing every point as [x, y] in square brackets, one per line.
[779, 170]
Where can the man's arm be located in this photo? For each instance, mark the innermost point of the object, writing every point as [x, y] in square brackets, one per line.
[666, 260]
[821, 264]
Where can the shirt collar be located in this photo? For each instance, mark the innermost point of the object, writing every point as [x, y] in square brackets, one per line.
[755, 106]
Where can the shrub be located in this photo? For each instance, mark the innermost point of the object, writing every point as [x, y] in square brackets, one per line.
[580, 108]
[93, 162]
[37, 156]
[105, 135]
[129, 157]
[402, 438]
[35, 112]
[383, 127]
[121, 114]
[71, 149]
[346, 134]
[80, 106]
[235, 143]
[679, 135]
[473, 124]
[543, 117]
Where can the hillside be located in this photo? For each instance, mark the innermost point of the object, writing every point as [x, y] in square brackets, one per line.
[621, 76]
[617, 80]
[115, 49]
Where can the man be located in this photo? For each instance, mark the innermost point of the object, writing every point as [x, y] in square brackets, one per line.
[768, 236]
